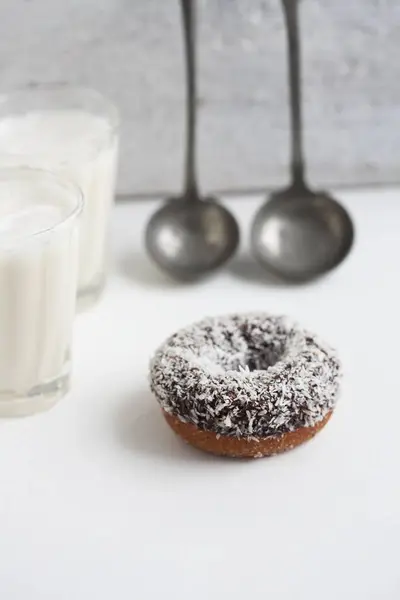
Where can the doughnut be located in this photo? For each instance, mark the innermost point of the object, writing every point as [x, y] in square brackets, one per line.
[245, 385]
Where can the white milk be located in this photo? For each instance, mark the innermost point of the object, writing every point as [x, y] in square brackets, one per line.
[84, 148]
[38, 276]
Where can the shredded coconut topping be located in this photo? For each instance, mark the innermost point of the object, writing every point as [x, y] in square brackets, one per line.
[252, 375]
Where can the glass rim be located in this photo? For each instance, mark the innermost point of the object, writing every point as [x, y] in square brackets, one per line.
[110, 109]
[20, 173]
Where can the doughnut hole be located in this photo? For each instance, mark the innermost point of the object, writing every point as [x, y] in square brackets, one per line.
[248, 348]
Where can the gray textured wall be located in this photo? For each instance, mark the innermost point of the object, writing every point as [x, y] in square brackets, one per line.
[131, 50]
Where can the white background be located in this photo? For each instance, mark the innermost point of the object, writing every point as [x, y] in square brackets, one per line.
[98, 499]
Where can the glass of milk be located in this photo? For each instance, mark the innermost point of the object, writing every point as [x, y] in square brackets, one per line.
[73, 131]
[39, 252]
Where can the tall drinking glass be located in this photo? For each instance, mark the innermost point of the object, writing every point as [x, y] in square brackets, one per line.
[73, 131]
[39, 249]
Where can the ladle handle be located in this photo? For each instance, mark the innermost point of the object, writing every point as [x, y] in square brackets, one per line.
[189, 36]
[290, 9]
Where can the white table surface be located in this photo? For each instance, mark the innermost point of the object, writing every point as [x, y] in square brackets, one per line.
[99, 500]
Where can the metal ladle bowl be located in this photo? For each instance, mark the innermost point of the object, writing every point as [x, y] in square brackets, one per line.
[300, 234]
[190, 239]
